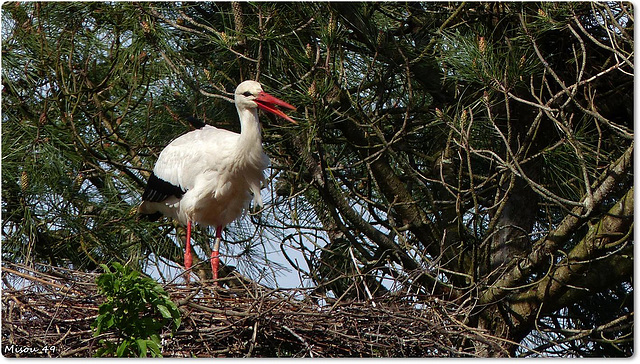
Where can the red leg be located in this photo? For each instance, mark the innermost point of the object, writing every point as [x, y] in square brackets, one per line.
[215, 255]
[188, 259]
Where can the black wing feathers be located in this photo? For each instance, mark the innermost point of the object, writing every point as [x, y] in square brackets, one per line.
[159, 190]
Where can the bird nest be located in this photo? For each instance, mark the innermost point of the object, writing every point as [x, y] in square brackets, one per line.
[48, 311]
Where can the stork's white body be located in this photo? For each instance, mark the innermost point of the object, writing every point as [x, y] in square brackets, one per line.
[218, 169]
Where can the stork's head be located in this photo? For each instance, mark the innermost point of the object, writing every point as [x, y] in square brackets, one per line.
[249, 95]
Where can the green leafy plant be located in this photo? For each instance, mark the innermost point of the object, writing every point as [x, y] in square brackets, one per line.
[137, 309]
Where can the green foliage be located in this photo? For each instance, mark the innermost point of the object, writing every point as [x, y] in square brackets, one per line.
[494, 63]
[137, 309]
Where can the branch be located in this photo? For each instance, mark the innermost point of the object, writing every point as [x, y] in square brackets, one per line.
[616, 222]
[544, 247]
[570, 274]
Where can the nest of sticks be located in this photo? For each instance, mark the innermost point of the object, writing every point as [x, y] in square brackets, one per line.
[48, 311]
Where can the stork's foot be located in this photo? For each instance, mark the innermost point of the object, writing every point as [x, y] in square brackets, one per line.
[215, 264]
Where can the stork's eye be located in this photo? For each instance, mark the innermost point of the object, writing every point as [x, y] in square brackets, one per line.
[247, 94]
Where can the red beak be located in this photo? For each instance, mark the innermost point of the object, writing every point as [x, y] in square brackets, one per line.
[268, 103]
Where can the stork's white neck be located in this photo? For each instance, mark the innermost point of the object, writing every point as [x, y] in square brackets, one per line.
[250, 133]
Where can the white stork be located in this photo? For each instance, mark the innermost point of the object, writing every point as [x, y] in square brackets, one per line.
[207, 176]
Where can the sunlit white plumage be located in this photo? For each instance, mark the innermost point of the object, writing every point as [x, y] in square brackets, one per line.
[209, 175]
[217, 177]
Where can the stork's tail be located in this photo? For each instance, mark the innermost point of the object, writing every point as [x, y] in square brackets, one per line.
[145, 214]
